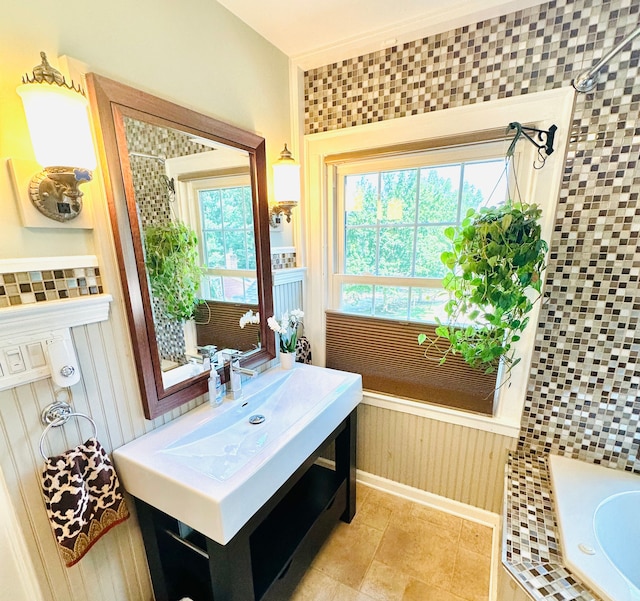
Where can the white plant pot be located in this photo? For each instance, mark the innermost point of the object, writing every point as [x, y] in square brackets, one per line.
[287, 360]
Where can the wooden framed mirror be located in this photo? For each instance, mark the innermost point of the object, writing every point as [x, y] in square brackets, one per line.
[170, 169]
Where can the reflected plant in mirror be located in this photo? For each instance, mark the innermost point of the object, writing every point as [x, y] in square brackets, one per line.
[173, 265]
[248, 319]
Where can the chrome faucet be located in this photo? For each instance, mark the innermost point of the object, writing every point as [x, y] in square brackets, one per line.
[234, 385]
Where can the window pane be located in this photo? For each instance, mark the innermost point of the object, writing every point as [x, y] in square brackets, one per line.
[233, 288]
[431, 244]
[248, 207]
[214, 249]
[398, 196]
[480, 179]
[251, 249]
[427, 304]
[357, 298]
[250, 290]
[396, 251]
[439, 192]
[210, 209]
[213, 287]
[232, 207]
[360, 251]
[236, 257]
[361, 199]
[391, 301]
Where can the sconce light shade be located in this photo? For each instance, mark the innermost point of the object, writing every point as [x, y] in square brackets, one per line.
[59, 127]
[286, 186]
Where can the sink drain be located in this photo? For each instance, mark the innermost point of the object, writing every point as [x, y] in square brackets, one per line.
[256, 419]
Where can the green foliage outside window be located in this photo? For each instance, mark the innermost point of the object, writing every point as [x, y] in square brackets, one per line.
[394, 224]
[227, 224]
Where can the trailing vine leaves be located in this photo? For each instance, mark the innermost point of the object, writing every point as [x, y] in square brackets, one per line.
[495, 264]
[173, 265]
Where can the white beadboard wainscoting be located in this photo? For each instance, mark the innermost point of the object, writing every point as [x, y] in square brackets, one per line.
[460, 462]
[115, 569]
[287, 290]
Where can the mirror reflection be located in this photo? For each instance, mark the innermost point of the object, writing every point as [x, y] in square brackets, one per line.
[195, 213]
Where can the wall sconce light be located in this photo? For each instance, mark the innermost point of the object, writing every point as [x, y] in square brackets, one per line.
[59, 127]
[286, 187]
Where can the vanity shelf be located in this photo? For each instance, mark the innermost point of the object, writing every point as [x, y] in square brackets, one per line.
[265, 560]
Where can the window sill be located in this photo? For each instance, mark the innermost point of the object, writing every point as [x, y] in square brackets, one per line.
[496, 425]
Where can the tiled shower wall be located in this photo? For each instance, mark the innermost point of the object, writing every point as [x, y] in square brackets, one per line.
[583, 392]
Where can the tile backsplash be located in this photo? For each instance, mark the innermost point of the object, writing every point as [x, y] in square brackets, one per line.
[283, 257]
[27, 287]
[583, 390]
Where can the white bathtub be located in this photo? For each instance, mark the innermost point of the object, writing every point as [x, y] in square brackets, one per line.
[598, 513]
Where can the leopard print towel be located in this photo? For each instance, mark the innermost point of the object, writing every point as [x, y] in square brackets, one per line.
[83, 498]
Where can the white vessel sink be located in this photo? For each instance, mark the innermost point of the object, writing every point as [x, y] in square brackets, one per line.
[212, 469]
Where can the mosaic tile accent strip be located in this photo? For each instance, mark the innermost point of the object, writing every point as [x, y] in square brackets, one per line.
[583, 395]
[530, 548]
[29, 287]
[285, 260]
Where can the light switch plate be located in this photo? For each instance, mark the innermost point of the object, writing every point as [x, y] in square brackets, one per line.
[23, 358]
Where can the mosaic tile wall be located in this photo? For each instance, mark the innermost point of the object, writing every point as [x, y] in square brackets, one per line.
[583, 393]
[27, 287]
[153, 199]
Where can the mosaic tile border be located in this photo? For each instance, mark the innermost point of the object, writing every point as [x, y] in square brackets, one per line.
[285, 260]
[29, 287]
[530, 549]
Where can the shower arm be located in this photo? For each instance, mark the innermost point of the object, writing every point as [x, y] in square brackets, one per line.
[585, 82]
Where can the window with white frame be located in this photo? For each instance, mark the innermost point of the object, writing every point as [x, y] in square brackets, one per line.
[225, 216]
[391, 217]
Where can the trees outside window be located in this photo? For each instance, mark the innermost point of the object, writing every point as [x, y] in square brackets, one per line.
[393, 217]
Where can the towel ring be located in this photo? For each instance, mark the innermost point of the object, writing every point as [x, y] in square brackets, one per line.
[57, 414]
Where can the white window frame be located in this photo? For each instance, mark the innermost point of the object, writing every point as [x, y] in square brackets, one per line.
[540, 109]
[470, 153]
[212, 183]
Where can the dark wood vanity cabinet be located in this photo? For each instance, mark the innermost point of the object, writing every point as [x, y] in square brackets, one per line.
[266, 559]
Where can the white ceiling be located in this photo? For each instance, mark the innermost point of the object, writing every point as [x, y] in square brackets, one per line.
[318, 32]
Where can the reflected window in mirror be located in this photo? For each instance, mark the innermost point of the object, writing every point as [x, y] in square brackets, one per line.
[213, 196]
[228, 247]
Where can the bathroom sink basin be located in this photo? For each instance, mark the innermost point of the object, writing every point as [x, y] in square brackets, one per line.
[213, 468]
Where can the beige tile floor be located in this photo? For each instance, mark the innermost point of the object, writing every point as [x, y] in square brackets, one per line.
[397, 550]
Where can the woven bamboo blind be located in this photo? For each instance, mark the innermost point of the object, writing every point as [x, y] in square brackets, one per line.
[390, 360]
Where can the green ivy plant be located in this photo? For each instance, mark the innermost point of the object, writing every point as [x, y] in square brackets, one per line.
[173, 264]
[493, 280]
